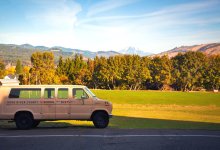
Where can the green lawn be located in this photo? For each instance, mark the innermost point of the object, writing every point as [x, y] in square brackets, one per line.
[159, 97]
[156, 110]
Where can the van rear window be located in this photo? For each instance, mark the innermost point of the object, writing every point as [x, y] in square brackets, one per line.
[25, 93]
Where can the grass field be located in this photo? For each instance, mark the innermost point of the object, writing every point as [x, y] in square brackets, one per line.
[158, 110]
[159, 97]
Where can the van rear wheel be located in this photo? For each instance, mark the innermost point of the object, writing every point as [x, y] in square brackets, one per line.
[100, 120]
[24, 120]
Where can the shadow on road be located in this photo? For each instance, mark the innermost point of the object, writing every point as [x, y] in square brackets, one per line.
[48, 125]
[125, 123]
[151, 123]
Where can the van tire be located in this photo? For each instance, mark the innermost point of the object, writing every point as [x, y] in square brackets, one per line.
[100, 119]
[24, 120]
[36, 123]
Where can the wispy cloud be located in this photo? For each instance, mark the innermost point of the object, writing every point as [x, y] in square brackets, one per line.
[111, 24]
[174, 21]
[57, 13]
[51, 22]
[49, 39]
[180, 9]
[107, 5]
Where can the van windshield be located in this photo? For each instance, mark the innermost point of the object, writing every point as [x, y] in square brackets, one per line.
[90, 92]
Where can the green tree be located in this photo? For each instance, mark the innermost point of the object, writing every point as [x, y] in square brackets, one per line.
[135, 72]
[101, 73]
[72, 71]
[61, 71]
[183, 72]
[79, 69]
[115, 70]
[60, 67]
[188, 70]
[88, 74]
[18, 68]
[160, 70]
[212, 73]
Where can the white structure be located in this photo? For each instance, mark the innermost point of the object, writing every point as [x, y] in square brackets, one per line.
[9, 80]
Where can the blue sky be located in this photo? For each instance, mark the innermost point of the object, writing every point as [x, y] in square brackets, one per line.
[149, 25]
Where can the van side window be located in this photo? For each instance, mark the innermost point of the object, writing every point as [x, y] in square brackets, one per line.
[25, 93]
[79, 93]
[49, 93]
[63, 93]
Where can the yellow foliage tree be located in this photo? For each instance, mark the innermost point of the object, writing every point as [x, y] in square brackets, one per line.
[10, 70]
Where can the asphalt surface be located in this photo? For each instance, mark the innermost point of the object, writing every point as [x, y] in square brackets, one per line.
[108, 139]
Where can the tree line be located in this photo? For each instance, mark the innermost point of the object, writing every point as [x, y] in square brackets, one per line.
[184, 72]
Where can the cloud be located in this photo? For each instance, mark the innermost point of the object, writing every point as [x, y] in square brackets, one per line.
[49, 39]
[55, 14]
[49, 23]
[176, 10]
[64, 23]
[146, 30]
[107, 5]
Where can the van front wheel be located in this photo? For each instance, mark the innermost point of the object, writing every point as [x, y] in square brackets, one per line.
[24, 120]
[100, 120]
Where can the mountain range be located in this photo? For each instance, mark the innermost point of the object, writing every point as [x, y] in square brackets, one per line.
[11, 52]
[85, 53]
[208, 49]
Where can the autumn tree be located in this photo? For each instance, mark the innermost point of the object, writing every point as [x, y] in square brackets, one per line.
[10, 70]
[43, 70]
[188, 71]
[2, 69]
[24, 78]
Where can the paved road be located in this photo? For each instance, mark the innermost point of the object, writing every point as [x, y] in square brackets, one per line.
[108, 139]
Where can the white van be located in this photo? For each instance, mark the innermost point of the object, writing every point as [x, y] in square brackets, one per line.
[27, 105]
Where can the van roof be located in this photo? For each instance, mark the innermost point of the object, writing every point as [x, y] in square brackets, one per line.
[39, 86]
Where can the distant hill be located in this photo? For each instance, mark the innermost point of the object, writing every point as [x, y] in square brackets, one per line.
[85, 53]
[11, 52]
[208, 49]
[133, 50]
